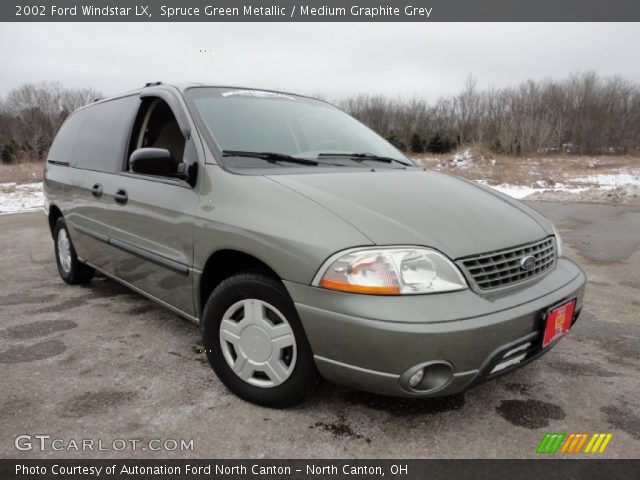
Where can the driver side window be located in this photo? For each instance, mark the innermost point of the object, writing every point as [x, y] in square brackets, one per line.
[156, 127]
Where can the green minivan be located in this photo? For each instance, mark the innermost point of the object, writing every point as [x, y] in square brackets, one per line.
[304, 245]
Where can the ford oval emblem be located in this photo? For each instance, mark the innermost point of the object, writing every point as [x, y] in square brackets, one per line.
[527, 263]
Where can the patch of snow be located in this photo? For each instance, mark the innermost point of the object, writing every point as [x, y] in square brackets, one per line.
[628, 194]
[520, 191]
[468, 159]
[20, 198]
[562, 187]
[462, 160]
[515, 191]
[593, 162]
[611, 179]
[545, 184]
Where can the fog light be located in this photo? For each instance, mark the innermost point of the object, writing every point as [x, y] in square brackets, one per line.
[416, 378]
[428, 377]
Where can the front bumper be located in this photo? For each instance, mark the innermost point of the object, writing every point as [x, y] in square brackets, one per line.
[371, 342]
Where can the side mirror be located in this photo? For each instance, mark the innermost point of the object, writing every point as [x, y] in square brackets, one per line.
[154, 161]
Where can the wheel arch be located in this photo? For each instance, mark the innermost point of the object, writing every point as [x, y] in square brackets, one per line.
[221, 265]
[54, 214]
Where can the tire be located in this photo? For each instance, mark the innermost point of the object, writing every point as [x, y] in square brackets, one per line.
[70, 268]
[251, 325]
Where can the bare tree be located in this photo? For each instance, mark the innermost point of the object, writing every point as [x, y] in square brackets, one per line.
[583, 114]
[38, 110]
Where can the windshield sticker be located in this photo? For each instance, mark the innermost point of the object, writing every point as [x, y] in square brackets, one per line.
[256, 93]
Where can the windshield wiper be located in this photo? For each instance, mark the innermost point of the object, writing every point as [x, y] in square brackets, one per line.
[364, 156]
[270, 157]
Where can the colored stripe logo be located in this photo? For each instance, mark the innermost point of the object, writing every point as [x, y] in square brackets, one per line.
[574, 443]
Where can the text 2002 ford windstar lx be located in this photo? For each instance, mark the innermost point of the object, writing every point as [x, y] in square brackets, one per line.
[304, 244]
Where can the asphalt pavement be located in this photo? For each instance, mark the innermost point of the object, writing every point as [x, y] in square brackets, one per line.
[102, 363]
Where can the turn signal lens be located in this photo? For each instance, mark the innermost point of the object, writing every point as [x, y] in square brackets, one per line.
[372, 289]
[391, 271]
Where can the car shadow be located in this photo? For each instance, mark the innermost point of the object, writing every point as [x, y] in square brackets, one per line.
[337, 396]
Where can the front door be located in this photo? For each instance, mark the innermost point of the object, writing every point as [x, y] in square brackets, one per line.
[152, 224]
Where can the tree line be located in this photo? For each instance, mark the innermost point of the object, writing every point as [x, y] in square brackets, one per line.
[583, 114]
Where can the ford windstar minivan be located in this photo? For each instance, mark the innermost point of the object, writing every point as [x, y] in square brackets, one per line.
[305, 245]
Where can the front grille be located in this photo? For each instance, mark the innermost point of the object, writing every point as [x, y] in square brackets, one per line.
[502, 268]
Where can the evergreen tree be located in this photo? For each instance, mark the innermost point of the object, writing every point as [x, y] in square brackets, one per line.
[438, 144]
[435, 144]
[416, 144]
[396, 142]
[8, 151]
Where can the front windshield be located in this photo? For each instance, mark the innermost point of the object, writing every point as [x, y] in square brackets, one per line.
[259, 121]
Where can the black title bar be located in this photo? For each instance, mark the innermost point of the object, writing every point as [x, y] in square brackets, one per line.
[320, 11]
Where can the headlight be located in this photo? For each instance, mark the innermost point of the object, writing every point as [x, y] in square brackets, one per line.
[390, 271]
[558, 239]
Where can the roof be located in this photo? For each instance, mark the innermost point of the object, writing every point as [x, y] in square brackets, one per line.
[182, 87]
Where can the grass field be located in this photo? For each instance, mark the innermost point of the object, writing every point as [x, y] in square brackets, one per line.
[23, 172]
[532, 171]
[608, 179]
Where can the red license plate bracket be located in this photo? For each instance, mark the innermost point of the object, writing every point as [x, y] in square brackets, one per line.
[557, 322]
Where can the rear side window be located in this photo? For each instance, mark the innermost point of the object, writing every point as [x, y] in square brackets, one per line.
[62, 147]
[102, 138]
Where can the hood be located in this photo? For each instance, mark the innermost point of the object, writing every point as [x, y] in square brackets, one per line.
[421, 207]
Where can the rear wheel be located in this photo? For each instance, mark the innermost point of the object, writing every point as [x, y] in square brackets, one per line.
[70, 268]
[255, 342]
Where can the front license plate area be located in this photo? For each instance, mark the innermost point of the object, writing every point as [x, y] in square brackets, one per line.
[557, 322]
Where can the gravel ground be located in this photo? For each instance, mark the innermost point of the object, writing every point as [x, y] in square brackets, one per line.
[101, 362]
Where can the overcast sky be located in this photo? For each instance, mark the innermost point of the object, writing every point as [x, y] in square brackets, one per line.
[425, 59]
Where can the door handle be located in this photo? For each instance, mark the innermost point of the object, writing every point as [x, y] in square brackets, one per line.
[121, 196]
[96, 190]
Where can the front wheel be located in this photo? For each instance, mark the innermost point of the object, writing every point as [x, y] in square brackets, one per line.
[70, 268]
[255, 342]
